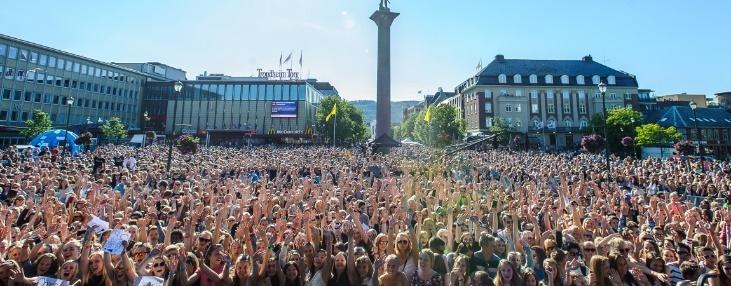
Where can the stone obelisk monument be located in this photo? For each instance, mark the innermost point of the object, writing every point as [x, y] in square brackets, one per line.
[383, 17]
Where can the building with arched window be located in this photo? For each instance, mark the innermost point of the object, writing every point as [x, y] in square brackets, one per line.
[558, 97]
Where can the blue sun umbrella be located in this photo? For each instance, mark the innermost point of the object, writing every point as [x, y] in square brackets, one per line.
[53, 138]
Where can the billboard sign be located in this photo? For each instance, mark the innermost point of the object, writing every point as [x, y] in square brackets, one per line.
[284, 109]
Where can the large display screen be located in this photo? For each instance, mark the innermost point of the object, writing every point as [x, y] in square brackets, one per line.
[284, 109]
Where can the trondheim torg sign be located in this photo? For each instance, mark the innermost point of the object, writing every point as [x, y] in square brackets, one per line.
[287, 74]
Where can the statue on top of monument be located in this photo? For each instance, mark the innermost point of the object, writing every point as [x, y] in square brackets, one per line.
[384, 4]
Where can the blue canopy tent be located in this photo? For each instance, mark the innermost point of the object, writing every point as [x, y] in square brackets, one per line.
[52, 138]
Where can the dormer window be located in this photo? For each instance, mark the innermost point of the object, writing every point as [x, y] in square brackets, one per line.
[611, 80]
[564, 79]
[533, 79]
[579, 79]
[502, 78]
[549, 79]
[595, 79]
[517, 78]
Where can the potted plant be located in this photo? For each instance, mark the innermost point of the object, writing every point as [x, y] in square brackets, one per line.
[187, 144]
[592, 143]
[201, 132]
[84, 139]
[516, 140]
[684, 147]
[628, 141]
[150, 137]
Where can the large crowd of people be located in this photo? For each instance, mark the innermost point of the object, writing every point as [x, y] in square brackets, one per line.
[323, 216]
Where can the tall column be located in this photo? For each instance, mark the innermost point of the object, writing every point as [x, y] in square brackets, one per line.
[383, 18]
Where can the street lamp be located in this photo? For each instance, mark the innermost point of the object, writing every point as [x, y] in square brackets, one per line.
[178, 86]
[633, 145]
[69, 102]
[146, 117]
[693, 106]
[603, 89]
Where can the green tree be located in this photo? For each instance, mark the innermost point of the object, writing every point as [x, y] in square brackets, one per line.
[349, 128]
[114, 129]
[500, 129]
[653, 134]
[37, 124]
[621, 123]
[443, 128]
[596, 124]
[405, 130]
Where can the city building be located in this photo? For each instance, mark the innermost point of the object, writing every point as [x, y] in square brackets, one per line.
[156, 71]
[237, 110]
[429, 100]
[325, 88]
[724, 100]
[709, 127]
[36, 77]
[646, 101]
[275, 106]
[699, 99]
[545, 101]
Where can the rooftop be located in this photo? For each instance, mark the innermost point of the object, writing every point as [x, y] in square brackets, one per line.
[42, 47]
[682, 117]
[572, 68]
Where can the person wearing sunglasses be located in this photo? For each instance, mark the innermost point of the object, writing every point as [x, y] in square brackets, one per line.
[682, 252]
[407, 253]
[588, 249]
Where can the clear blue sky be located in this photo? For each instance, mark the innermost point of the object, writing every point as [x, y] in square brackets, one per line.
[671, 45]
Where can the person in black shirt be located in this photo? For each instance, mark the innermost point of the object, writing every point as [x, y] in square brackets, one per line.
[98, 164]
[118, 161]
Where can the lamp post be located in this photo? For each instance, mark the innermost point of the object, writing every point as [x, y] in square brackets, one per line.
[633, 141]
[146, 117]
[693, 106]
[69, 102]
[178, 87]
[603, 89]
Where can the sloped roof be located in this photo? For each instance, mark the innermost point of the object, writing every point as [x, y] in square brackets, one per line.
[323, 85]
[440, 96]
[572, 68]
[682, 117]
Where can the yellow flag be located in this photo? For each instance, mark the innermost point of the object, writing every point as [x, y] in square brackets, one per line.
[427, 116]
[332, 112]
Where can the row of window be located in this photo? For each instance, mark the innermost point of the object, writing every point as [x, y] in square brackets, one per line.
[47, 98]
[548, 79]
[24, 116]
[534, 94]
[550, 107]
[707, 134]
[240, 92]
[40, 78]
[52, 62]
[537, 124]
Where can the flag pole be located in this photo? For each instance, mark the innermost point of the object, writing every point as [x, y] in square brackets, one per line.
[300, 62]
[335, 121]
